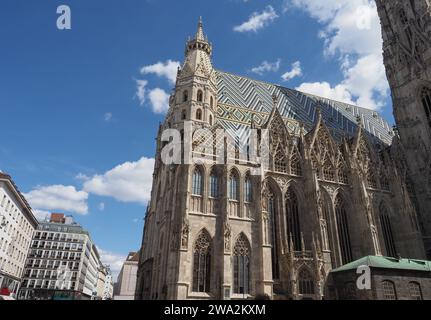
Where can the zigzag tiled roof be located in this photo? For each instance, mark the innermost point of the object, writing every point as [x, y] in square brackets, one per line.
[240, 99]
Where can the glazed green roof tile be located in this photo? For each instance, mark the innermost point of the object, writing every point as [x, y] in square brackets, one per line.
[387, 263]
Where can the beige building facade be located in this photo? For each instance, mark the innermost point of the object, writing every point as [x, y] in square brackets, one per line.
[296, 186]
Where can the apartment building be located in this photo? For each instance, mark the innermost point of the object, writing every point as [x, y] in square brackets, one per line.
[126, 283]
[17, 224]
[62, 263]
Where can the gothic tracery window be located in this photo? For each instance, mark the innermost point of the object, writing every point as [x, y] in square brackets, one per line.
[388, 236]
[214, 185]
[200, 96]
[342, 175]
[274, 249]
[328, 171]
[247, 189]
[233, 186]
[280, 161]
[305, 282]
[384, 182]
[295, 165]
[371, 179]
[202, 263]
[197, 189]
[199, 114]
[292, 211]
[343, 230]
[241, 266]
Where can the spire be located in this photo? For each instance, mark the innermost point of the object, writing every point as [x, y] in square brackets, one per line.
[200, 32]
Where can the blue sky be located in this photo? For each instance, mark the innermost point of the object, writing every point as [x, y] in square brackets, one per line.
[76, 136]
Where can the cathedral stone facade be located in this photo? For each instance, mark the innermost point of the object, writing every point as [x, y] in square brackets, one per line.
[227, 225]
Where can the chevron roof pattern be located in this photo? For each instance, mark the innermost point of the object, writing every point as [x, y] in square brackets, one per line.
[241, 99]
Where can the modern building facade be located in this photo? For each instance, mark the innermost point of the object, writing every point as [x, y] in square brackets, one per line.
[17, 224]
[324, 184]
[406, 28]
[391, 279]
[62, 262]
[125, 287]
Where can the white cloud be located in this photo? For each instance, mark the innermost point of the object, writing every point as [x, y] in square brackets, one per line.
[166, 70]
[296, 71]
[115, 261]
[159, 99]
[107, 116]
[141, 90]
[102, 206]
[258, 20]
[128, 182]
[58, 198]
[41, 215]
[324, 89]
[266, 66]
[351, 31]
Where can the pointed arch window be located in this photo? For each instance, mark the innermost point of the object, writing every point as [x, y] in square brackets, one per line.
[342, 175]
[280, 162]
[211, 120]
[214, 185]
[183, 115]
[384, 182]
[274, 250]
[211, 102]
[389, 292]
[388, 236]
[185, 96]
[415, 291]
[305, 282]
[294, 228]
[247, 189]
[371, 179]
[241, 266]
[295, 165]
[343, 231]
[202, 263]
[426, 102]
[198, 114]
[197, 186]
[200, 96]
[233, 186]
[328, 171]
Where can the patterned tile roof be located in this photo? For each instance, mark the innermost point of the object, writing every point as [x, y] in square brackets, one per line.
[240, 99]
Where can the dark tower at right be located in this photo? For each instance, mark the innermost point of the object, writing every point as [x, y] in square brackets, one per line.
[406, 30]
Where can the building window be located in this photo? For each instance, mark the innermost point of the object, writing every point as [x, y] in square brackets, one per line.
[185, 96]
[214, 187]
[247, 190]
[183, 115]
[295, 165]
[342, 175]
[241, 266]
[305, 282]
[274, 250]
[280, 162]
[233, 187]
[202, 263]
[200, 96]
[199, 114]
[388, 236]
[211, 120]
[389, 292]
[211, 102]
[328, 171]
[294, 227]
[343, 230]
[371, 179]
[415, 291]
[384, 183]
[197, 189]
[426, 102]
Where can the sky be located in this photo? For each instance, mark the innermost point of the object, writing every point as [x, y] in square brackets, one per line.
[80, 107]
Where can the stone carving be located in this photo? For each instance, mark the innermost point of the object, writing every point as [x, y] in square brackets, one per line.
[185, 230]
[227, 237]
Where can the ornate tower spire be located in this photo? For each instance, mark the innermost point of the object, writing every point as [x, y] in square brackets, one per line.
[200, 33]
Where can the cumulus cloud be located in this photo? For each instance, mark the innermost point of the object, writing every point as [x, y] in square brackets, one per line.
[266, 66]
[324, 89]
[159, 99]
[258, 20]
[128, 182]
[352, 33]
[296, 71]
[114, 260]
[166, 70]
[41, 215]
[58, 198]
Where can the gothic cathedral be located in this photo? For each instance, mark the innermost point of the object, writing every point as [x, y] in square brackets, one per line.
[339, 183]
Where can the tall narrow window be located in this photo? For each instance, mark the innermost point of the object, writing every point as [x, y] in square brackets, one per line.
[247, 190]
[384, 182]
[183, 115]
[211, 102]
[185, 96]
[280, 163]
[389, 292]
[388, 236]
[328, 171]
[211, 120]
[202, 263]
[199, 114]
[343, 230]
[233, 186]
[371, 179]
[200, 96]
[342, 174]
[426, 102]
[305, 282]
[294, 228]
[295, 165]
[197, 189]
[214, 192]
[241, 266]
[415, 291]
[274, 249]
